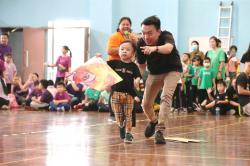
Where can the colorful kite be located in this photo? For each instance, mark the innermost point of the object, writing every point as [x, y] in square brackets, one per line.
[96, 74]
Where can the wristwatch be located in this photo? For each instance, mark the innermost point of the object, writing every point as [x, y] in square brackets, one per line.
[157, 49]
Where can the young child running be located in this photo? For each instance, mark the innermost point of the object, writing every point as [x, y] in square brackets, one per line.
[123, 93]
[61, 100]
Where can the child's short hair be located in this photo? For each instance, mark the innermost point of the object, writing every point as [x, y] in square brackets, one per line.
[197, 58]
[189, 55]
[8, 54]
[5, 34]
[50, 82]
[207, 58]
[221, 82]
[129, 41]
[44, 83]
[60, 83]
[36, 83]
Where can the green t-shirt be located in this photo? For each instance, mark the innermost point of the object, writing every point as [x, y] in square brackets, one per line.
[105, 96]
[216, 58]
[206, 77]
[92, 94]
[196, 74]
[190, 72]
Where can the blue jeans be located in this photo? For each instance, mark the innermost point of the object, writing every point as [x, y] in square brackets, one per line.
[60, 106]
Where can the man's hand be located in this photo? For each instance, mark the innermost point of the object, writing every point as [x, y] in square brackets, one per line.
[148, 49]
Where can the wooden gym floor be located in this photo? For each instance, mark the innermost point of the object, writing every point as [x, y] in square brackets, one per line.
[29, 138]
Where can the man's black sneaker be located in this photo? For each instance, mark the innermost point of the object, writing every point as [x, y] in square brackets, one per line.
[128, 138]
[159, 138]
[150, 129]
[122, 132]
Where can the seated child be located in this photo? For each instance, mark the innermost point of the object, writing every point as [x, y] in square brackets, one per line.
[29, 84]
[219, 104]
[91, 99]
[103, 103]
[36, 92]
[75, 90]
[42, 102]
[62, 99]
[18, 91]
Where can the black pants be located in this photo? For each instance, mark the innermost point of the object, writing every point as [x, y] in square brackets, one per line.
[92, 106]
[111, 112]
[194, 93]
[223, 109]
[9, 88]
[3, 102]
[203, 95]
[103, 107]
[188, 102]
[28, 101]
[177, 99]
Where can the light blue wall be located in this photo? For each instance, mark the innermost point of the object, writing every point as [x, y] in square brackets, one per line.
[37, 13]
[184, 18]
[199, 18]
[101, 25]
[242, 25]
[16, 43]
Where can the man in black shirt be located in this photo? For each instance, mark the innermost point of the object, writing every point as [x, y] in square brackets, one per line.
[242, 83]
[157, 50]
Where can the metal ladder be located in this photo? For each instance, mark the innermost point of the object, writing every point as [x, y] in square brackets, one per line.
[225, 25]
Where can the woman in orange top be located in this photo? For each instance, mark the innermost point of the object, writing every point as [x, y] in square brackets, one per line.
[123, 33]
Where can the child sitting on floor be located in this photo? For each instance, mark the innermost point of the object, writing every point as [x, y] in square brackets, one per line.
[42, 102]
[219, 104]
[62, 99]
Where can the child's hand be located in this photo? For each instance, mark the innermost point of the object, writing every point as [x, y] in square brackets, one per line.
[137, 83]
[137, 99]
[56, 102]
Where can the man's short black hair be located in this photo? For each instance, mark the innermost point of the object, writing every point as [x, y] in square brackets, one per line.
[221, 82]
[152, 20]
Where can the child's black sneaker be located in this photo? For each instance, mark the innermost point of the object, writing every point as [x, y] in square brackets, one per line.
[128, 138]
[122, 132]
